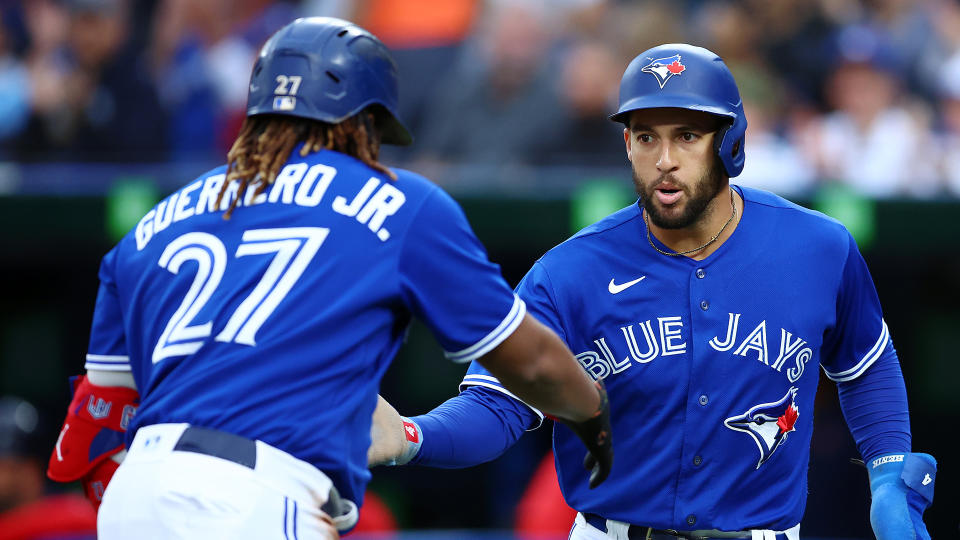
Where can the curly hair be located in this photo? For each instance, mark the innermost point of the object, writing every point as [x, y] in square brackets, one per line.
[266, 141]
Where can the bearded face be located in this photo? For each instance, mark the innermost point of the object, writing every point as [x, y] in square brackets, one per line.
[696, 196]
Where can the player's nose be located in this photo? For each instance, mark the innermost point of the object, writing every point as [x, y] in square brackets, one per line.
[665, 159]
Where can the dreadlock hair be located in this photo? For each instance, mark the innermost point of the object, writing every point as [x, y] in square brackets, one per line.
[266, 141]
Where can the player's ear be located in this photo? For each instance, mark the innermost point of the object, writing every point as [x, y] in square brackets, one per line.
[626, 141]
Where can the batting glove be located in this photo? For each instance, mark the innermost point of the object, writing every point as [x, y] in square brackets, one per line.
[902, 488]
[595, 433]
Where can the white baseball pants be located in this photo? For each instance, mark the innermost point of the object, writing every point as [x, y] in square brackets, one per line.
[159, 493]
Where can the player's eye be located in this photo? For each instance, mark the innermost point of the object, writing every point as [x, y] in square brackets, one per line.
[645, 138]
[689, 136]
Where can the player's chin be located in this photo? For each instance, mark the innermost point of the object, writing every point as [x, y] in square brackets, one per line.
[673, 216]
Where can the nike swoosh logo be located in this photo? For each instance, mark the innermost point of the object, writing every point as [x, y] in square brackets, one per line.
[614, 288]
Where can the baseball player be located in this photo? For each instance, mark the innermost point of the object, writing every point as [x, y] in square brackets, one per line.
[707, 308]
[248, 318]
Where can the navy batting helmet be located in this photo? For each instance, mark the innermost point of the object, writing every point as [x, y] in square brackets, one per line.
[687, 77]
[327, 69]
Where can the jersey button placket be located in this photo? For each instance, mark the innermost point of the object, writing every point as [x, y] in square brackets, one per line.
[697, 399]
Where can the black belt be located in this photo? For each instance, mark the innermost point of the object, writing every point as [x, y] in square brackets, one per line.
[239, 450]
[646, 533]
[221, 444]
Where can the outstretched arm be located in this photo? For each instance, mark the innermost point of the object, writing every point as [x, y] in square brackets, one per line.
[474, 427]
[478, 426]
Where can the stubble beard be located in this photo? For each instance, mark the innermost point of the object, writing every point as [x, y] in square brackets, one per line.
[698, 198]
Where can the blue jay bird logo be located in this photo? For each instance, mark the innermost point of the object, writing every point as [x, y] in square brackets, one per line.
[664, 68]
[768, 423]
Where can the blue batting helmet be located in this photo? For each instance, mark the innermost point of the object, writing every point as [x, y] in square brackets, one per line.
[327, 69]
[687, 77]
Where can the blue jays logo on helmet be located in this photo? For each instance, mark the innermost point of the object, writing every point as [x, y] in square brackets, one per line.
[768, 424]
[664, 68]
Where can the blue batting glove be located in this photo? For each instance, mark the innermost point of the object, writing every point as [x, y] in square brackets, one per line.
[902, 488]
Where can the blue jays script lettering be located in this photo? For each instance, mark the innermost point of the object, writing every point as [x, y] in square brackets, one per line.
[664, 337]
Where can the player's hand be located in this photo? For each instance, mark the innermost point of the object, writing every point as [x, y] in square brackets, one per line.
[394, 440]
[328, 528]
[595, 434]
[902, 487]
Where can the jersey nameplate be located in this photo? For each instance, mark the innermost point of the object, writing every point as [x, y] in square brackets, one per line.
[297, 183]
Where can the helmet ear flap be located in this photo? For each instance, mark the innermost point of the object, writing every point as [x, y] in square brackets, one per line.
[728, 145]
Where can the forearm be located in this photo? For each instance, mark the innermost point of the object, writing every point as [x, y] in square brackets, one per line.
[472, 428]
[122, 379]
[875, 408]
[535, 365]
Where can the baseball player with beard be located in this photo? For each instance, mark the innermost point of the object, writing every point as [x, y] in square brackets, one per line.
[709, 310]
[248, 318]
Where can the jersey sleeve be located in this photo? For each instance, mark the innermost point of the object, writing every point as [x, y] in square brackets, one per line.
[107, 350]
[474, 427]
[478, 376]
[859, 336]
[537, 292]
[449, 283]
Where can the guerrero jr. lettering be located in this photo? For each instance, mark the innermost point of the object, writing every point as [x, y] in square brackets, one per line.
[295, 184]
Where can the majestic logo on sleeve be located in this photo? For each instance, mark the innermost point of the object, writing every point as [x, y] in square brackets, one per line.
[664, 68]
[768, 423]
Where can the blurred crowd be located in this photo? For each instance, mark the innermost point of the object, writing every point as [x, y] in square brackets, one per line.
[861, 93]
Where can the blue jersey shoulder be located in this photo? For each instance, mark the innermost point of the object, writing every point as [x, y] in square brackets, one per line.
[797, 223]
[620, 225]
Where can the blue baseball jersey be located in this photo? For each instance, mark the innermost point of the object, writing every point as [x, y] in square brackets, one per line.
[711, 366]
[279, 323]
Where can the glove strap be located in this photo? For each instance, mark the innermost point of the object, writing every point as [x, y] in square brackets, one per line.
[920, 474]
[917, 471]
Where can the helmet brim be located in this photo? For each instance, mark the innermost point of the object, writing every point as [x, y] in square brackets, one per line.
[677, 101]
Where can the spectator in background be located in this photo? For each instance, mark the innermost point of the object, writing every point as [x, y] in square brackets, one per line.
[588, 82]
[98, 101]
[202, 54]
[26, 513]
[775, 164]
[14, 88]
[425, 37]
[635, 25]
[871, 139]
[910, 26]
[495, 106]
[948, 163]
